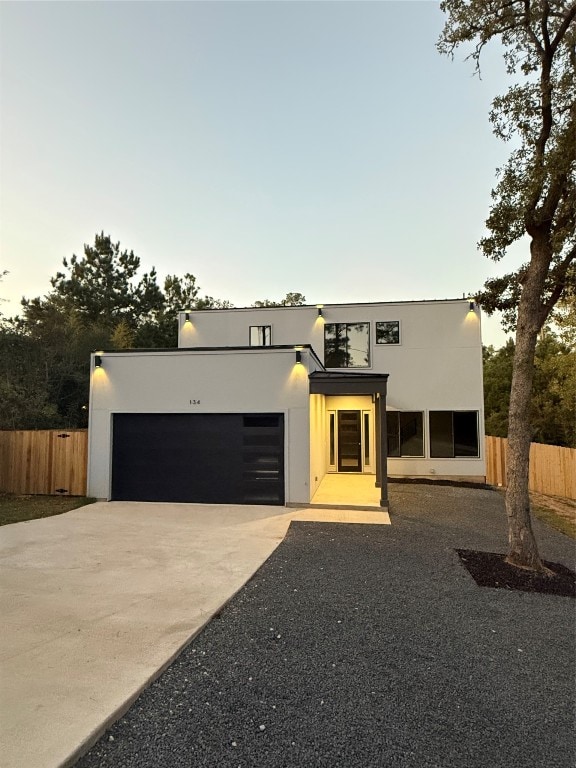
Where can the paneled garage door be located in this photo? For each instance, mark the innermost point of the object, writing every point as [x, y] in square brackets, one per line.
[225, 458]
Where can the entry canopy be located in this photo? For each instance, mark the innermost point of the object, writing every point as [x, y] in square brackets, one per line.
[348, 383]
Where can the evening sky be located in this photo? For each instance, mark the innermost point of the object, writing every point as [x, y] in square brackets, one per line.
[266, 147]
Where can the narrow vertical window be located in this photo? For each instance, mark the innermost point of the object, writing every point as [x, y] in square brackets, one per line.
[332, 450]
[260, 335]
[367, 439]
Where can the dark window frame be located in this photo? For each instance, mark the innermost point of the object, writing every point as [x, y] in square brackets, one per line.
[332, 456]
[368, 364]
[265, 343]
[395, 431]
[388, 322]
[457, 436]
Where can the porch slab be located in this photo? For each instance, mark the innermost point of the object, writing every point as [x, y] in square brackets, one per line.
[357, 515]
[349, 489]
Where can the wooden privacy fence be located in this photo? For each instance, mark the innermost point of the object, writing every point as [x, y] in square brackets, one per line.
[552, 469]
[46, 461]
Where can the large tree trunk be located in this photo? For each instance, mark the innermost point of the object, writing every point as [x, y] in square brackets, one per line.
[522, 548]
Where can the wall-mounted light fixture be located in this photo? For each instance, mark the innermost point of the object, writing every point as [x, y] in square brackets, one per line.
[471, 306]
[298, 354]
[319, 307]
[97, 361]
[187, 317]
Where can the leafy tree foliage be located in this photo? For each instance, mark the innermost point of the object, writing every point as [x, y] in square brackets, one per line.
[24, 398]
[97, 301]
[553, 402]
[160, 327]
[103, 284]
[564, 318]
[290, 300]
[497, 380]
[535, 196]
[553, 408]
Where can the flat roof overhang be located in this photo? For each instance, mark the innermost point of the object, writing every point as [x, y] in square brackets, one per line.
[340, 383]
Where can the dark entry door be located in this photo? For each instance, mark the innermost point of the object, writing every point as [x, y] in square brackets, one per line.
[349, 441]
[231, 458]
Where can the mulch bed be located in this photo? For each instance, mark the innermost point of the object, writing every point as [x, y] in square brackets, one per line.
[489, 569]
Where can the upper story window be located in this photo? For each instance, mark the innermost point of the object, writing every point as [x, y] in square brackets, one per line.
[388, 332]
[260, 335]
[347, 345]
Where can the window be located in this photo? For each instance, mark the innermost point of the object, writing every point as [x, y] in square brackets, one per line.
[453, 434]
[388, 332]
[347, 345]
[260, 335]
[405, 433]
[332, 434]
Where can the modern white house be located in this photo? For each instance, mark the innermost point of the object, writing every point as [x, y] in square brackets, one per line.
[260, 405]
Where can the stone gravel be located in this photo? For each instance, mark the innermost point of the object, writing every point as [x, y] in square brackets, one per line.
[359, 645]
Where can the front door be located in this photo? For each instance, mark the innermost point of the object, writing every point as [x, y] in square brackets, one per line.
[349, 441]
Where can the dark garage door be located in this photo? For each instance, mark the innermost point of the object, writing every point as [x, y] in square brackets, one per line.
[226, 458]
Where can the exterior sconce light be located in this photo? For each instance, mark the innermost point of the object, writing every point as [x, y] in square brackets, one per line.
[187, 317]
[319, 308]
[471, 306]
[298, 356]
[97, 361]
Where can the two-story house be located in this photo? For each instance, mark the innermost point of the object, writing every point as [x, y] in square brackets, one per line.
[259, 405]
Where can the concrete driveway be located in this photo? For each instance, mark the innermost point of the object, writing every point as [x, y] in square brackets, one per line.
[96, 602]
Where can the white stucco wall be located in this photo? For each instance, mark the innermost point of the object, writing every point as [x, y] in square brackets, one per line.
[252, 381]
[436, 366]
[318, 444]
[425, 324]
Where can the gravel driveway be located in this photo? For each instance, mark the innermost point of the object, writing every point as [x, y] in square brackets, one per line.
[366, 646]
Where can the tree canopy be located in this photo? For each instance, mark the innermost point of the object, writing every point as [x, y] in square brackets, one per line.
[100, 300]
[290, 300]
[553, 402]
[535, 196]
[536, 190]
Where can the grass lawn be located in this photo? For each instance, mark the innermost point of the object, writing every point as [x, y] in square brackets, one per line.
[16, 509]
[558, 513]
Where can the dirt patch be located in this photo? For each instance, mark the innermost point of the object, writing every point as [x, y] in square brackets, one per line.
[555, 511]
[565, 508]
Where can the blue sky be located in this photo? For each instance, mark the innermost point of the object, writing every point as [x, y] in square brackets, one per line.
[266, 147]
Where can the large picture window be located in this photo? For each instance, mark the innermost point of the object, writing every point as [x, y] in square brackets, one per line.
[260, 335]
[405, 433]
[347, 345]
[388, 332]
[453, 434]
